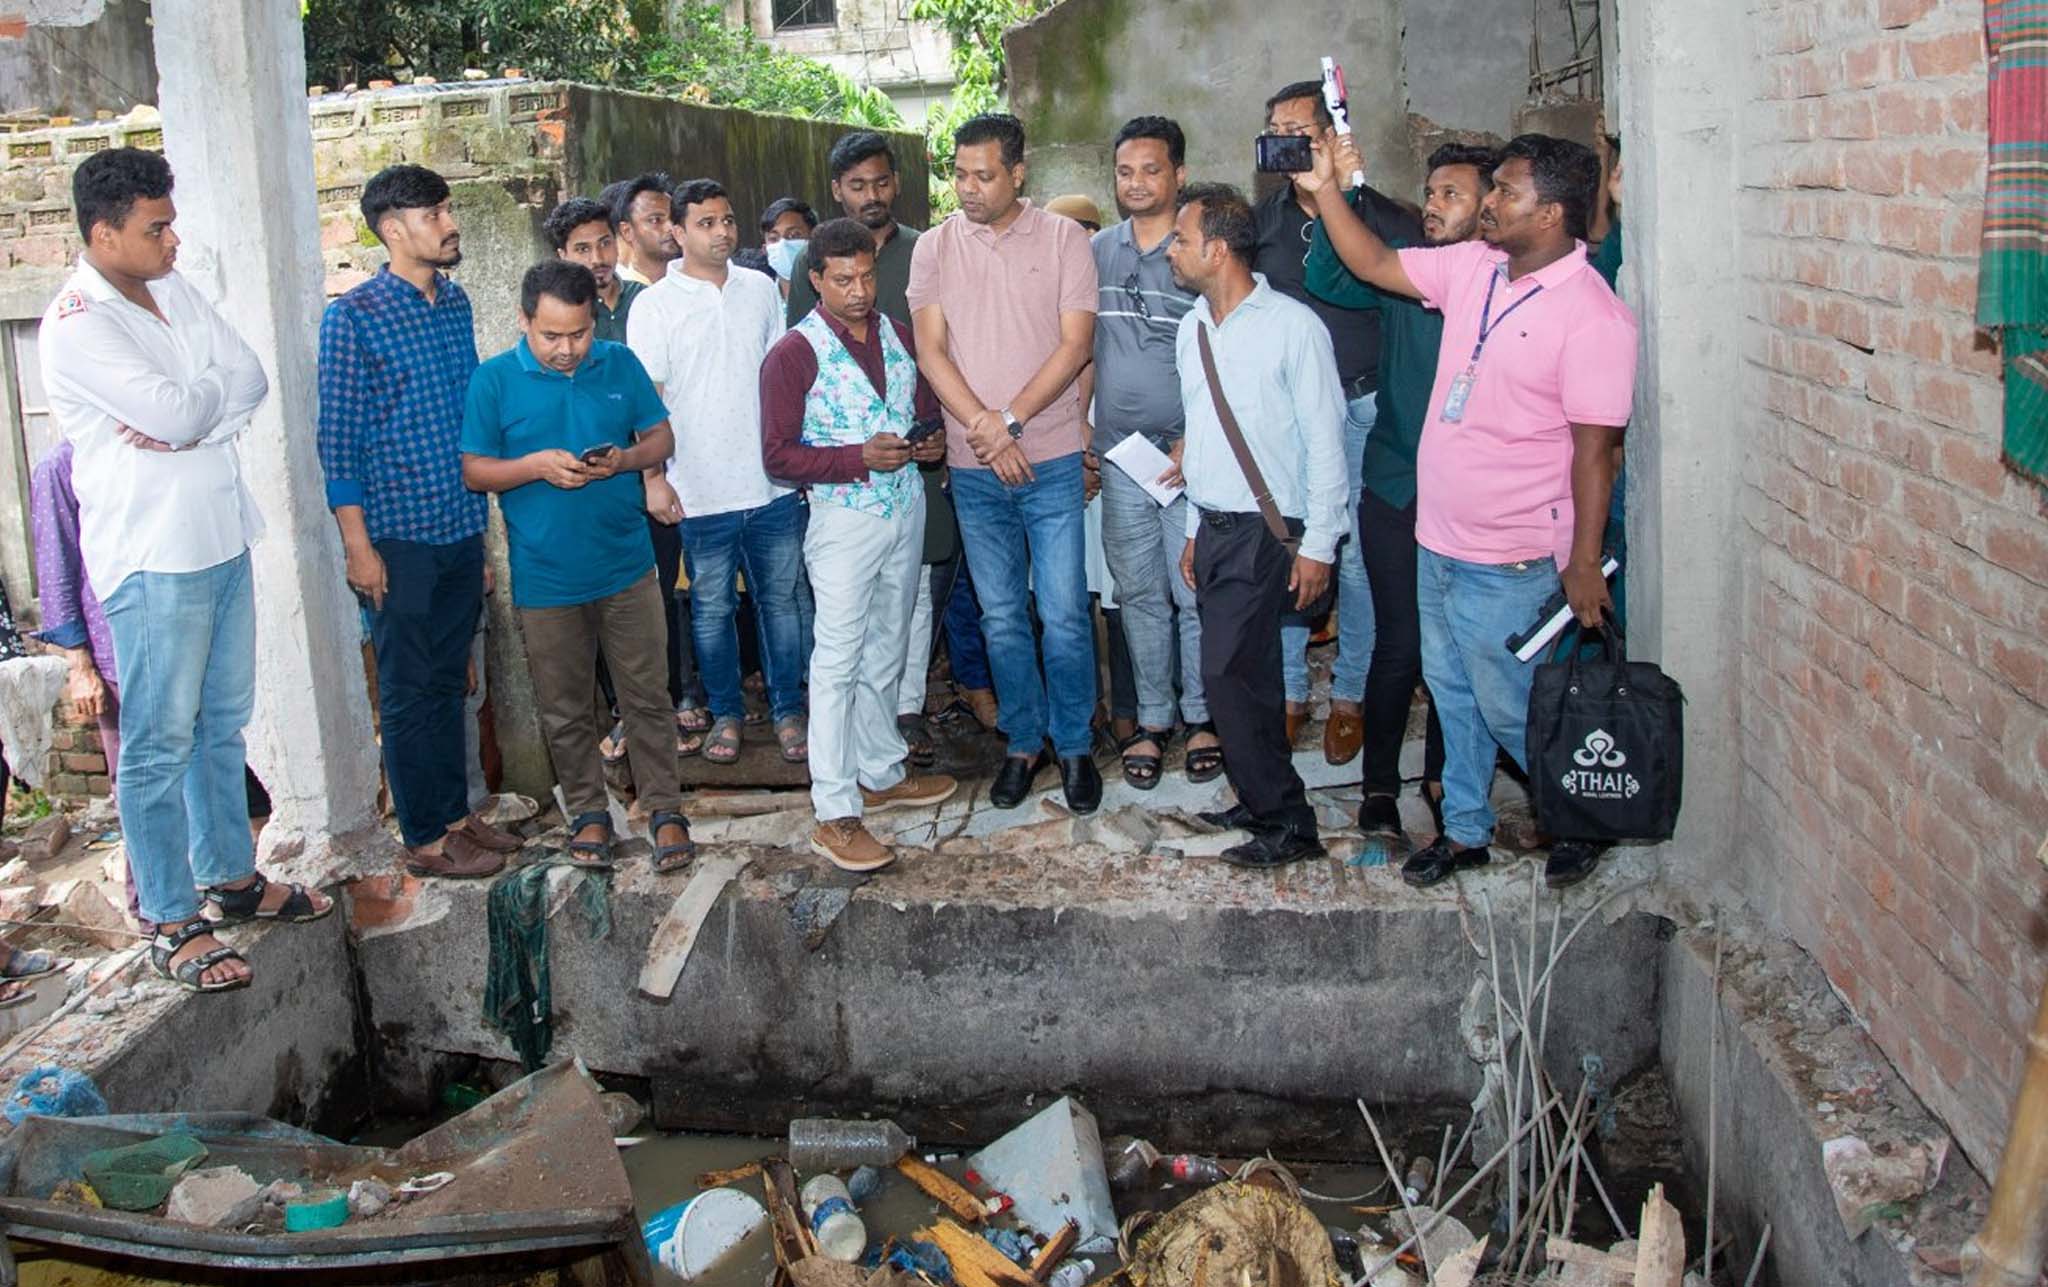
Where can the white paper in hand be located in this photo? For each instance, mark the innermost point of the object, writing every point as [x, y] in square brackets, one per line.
[1144, 462]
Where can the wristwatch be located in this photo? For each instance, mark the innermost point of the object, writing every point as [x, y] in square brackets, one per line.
[1015, 425]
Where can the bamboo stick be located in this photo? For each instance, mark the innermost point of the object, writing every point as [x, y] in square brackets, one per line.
[2014, 1239]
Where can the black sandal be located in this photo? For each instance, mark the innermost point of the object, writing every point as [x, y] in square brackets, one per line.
[1142, 771]
[187, 974]
[921, 751]
[669, 858]
[227, 906]
[591, 853]
[1205, 763]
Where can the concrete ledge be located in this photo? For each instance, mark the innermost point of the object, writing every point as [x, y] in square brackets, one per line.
[965, 983]
[1788, 1046]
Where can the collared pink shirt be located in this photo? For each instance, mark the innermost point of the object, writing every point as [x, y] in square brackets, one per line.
[1495, 487]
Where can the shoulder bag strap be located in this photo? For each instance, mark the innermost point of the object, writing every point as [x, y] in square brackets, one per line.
[1260, 492]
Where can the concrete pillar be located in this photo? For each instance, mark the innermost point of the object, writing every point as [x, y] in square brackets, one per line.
[1680, 77]
[236, 133]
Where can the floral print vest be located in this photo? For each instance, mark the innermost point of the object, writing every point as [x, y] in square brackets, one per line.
[843, 409]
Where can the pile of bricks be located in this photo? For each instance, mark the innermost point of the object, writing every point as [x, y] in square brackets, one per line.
[78, 764]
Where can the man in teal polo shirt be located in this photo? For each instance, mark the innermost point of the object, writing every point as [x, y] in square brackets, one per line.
[561, 426]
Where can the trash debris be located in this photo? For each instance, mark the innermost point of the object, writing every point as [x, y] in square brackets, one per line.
[421, 1185]
[917, 1256]
[974, 1262]
[792, 1237]
[1129, 1162]
[1052, 1167]
[1186, 1168]
[828, 1207]
[212, 1196]
[77, 1191]
[1865, 1180]
[669, 950]
[92, 915]
[824, 1144]
[1239, 1233]
[52, 1091]
[320, 1209]
[1446, 1239]
[138, 1177]
[942, 1188]
[1056, 1248]
[1074, 1273]
[864, 1183]
[1415, 1184]
[368, 1197]
[692, 1236]
[1011, 1243]
[622, 1111]
[1344, 1245]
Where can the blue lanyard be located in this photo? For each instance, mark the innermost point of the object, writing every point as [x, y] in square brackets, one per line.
[1488, 322]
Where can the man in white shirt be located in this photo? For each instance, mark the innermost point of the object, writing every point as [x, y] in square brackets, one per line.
[152, 387]
[702, 332]
[1278, 372]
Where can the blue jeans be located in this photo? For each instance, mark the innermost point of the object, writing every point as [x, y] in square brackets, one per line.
[1294, 635]
[1354, 594]
[186, 648]
[1481, 692]
[966, 649]
[766, 543]
[1142, 542]
[1022, 541]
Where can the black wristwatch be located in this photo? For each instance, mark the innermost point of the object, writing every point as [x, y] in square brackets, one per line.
[1015, 425]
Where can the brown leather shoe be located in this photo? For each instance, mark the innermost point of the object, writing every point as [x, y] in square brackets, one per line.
[1343, 735]
[495, 839]
[913, 790]
[982, 702]
[461, 858]
[1297, 719]
[850, 846]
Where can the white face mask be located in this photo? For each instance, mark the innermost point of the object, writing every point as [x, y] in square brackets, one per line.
[784, 256]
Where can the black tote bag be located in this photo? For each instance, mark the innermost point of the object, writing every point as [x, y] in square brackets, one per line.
[1606, 743]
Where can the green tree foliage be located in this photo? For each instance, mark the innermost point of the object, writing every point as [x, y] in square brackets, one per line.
[623, 44]
[976, 27]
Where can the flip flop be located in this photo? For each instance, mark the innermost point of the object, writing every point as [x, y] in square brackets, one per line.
[693, 719]
[22, 965]
[791, 735]
[14, 992]
[722, 746]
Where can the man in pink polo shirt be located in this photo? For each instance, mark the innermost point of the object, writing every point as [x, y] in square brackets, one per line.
[1002, 296]
[1534, 384]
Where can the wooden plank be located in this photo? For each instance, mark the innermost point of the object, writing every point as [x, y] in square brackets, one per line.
[942, 1188]
[975, 1263]
[669, 951]
[1615, 1271]
[1056, 1248]
[1660, 1256]
[720, 1179]
[791, 1234]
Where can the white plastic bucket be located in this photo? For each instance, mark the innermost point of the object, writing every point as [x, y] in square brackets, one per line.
[690, 1237]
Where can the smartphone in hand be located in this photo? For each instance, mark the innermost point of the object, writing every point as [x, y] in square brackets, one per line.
[596, 454]
[1284, 154]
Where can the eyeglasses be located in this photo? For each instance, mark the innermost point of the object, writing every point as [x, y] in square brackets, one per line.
[1136, 296]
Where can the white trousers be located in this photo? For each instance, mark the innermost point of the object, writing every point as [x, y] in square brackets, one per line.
[864, 572]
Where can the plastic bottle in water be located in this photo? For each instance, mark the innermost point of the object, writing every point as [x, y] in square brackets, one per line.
[1186, 1168]
[829, 1208]
[864, 1183]
[1073, 1273]
[1416, 1184]
[823, 1144]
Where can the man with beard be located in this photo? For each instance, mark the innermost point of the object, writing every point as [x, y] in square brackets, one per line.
[1410, 335]
[1136, 391]
[865, 184]
[585, 232]
[701, 332]
[396, 355]
[643, 208]
[1535, 380]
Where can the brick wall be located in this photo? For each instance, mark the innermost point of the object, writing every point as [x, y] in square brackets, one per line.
[78, 766]
[1895, 703]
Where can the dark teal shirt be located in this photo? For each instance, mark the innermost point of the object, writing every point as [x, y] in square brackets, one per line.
[1410, 336]
[568, 546]
[611, 322]
[1606, 261]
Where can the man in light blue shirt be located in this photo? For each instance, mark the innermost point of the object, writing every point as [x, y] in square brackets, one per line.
[1278, 374]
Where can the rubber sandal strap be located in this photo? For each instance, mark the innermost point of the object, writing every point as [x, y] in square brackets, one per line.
[669, 856]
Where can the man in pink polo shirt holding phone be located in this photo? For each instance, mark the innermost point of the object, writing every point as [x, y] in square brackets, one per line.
[1534, 383]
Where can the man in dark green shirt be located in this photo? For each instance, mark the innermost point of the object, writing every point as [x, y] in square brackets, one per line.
[864, 183]
[1410, 336]
[584, 232]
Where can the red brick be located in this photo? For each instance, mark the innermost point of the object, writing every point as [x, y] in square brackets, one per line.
[1902, 13]
[1916, 229]
[2022, 663]
[1875, 62]
[1967, 110]
[41, 251]
[1943, 171]
[2019, 547]
[85, 763]
[1952, 55]
[1850, 118]
[1946, 400]
[1878, 171]
[13, 27]
[1966, 461]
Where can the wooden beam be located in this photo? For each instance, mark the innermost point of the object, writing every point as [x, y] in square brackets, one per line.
[1660, 1256]
[1056, 1248]
[942, 1188]
[975, 1263]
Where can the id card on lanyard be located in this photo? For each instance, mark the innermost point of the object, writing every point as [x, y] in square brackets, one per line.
[1460, 391]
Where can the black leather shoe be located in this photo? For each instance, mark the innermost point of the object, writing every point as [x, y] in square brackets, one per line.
[1570, 862]
[1380, 818]
[1014, 779]
[1082, 782]
[1235, 818]
[1438, 860]
[1274, 849]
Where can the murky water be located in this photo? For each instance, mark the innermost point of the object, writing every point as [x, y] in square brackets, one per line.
[664, 1171]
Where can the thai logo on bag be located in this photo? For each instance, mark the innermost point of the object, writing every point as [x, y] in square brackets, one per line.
[1599, 775]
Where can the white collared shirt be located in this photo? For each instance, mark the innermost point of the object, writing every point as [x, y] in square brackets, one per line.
[185, 379]
[1279, 374]
[703, 345]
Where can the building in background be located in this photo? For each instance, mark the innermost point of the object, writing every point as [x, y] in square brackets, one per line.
[875, 42]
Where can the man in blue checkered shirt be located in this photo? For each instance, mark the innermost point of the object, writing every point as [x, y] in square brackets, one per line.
[396, 354]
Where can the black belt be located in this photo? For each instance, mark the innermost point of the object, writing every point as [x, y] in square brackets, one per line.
[1223, 520]
[1357, 388]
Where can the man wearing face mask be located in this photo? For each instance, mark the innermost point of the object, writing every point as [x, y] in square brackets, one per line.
[1535, 380]
[701, 332]
[560, 427]
[1459, 178]
[396, 354]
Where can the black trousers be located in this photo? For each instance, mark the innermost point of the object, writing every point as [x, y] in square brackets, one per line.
[1241, 592]
[1386, 542]
[422, 636]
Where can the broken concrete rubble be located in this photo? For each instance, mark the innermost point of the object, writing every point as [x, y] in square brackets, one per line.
[1051, 1166]
[214, 1195]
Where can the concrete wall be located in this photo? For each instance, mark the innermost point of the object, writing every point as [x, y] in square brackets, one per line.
[1086, 66]
[874, 42]
[104, 63]
[1468, 64]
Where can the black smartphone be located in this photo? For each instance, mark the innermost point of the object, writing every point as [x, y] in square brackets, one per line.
[924, 429]
[596, 454]
[1284, 154]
